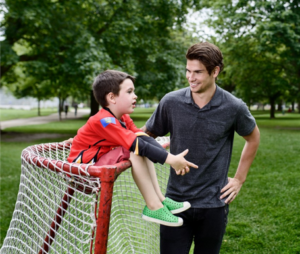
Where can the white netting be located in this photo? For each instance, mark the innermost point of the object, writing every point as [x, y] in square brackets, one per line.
[43, 187]
[128, 232]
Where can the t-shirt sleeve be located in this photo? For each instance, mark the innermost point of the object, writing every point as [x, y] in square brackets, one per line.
[158, 122]
[244, 121]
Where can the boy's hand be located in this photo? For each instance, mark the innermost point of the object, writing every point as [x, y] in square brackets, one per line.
[69, 141]
[179, 163]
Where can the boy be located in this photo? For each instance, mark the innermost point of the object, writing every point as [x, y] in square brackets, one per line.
[111, 129]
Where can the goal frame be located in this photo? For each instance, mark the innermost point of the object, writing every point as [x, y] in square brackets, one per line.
[107, 175]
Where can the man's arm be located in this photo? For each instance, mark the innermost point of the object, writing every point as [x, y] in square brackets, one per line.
[248, 154]
[144, 129]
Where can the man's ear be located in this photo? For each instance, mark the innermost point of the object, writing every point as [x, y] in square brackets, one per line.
[216, 71]
[110, 98]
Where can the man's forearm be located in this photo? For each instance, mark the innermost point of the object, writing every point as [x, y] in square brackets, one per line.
[248, 155]
[144, 129]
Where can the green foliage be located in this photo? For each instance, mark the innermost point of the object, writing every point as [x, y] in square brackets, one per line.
[261, 45]
[66, 44]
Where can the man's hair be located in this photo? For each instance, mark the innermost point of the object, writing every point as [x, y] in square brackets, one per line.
[106, 82]
[208, 54]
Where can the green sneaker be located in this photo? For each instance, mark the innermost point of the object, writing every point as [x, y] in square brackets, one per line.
[162, 216]
[176, 207]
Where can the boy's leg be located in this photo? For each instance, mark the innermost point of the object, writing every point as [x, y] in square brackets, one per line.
[114, 156]
[173, 206]
[143, 180]
[153, 176]
[154, 211]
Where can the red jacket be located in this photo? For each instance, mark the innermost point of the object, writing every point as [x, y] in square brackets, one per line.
[99, 135]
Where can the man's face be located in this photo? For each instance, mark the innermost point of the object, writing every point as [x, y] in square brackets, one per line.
[198, 77]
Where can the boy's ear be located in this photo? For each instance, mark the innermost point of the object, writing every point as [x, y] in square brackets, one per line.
[110, 98]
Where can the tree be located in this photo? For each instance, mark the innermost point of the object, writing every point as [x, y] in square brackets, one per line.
[261, 42]
[69, 42]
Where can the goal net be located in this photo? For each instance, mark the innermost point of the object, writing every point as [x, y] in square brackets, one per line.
[67, 207]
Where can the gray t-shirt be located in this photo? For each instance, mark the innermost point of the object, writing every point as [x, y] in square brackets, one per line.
[208, 134]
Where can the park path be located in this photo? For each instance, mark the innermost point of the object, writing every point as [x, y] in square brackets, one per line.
[42, 119]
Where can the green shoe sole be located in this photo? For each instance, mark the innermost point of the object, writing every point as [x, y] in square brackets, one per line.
[176, 207]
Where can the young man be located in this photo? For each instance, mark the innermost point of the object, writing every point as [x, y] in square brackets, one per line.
[112, 132]
[203, 118]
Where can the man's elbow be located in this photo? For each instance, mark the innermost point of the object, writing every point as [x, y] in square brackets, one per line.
[144, 129]
[254, 137]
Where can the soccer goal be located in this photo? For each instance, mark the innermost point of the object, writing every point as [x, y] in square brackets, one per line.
[79, 208]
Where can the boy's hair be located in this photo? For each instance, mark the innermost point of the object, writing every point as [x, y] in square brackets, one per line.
[106, 82]
[208, 54]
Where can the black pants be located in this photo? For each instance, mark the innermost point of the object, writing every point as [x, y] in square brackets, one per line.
[204, 226]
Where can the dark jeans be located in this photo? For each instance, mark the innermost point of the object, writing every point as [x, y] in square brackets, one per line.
[204, 226]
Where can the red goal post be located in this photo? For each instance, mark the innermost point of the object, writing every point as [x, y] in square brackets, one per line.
[66, 207]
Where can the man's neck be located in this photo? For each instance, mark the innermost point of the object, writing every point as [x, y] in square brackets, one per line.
[202, 99]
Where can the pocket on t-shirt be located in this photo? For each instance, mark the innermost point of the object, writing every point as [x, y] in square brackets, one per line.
[214, 130]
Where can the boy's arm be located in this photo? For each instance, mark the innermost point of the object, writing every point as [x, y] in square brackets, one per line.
[69, 141]
[146, 146]
[150, 148]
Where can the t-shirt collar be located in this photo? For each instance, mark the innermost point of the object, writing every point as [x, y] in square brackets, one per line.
[214, 102]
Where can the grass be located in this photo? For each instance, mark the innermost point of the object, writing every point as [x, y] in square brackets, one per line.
[71, 126]
[264, 218]
[10, 114]
[288, 120]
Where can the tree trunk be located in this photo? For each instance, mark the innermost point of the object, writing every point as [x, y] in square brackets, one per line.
[272, 110]
[60, 106]
[39, 107]
[279, 106]
[94, 105]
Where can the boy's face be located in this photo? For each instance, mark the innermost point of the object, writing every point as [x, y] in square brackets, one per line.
[126, 100]
[198, 77]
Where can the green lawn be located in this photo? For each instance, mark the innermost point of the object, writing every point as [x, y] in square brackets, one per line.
[264, 218]
[10, 114]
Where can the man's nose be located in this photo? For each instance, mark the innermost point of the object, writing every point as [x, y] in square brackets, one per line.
[191, 76]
